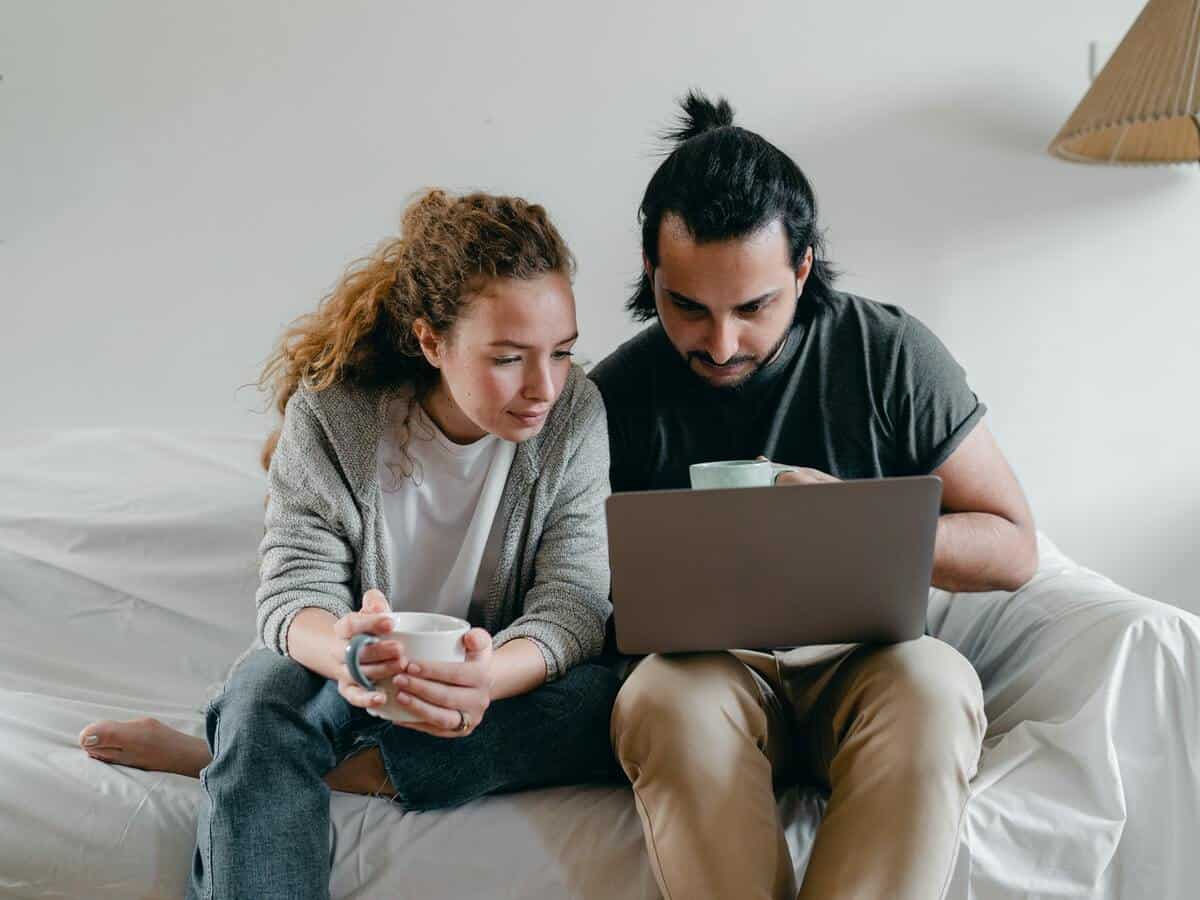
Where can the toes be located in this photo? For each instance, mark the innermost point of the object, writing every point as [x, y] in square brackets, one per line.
[97, 734]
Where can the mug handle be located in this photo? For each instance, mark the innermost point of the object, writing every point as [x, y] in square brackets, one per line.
[352, 650]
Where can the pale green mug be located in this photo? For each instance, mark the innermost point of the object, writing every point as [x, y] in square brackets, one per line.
[735, 473]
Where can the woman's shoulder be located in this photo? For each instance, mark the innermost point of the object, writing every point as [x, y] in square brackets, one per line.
[580, 401]
[578, 412]
[340, 405]
[340, 423]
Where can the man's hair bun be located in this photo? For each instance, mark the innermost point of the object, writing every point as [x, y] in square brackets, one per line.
[699, 114]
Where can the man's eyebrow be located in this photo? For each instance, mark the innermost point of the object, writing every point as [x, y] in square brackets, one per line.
[761, 298]
[518, 346]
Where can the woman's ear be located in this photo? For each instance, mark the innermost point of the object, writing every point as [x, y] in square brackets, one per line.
[431, 344]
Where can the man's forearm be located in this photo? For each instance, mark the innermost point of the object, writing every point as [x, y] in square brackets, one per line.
[983, 552]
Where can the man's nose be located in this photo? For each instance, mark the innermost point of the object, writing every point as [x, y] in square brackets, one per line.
[722, 341]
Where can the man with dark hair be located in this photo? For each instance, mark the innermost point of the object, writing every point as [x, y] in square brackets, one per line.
[753, 352]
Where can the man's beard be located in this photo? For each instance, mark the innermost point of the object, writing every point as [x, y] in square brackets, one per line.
[744, 380]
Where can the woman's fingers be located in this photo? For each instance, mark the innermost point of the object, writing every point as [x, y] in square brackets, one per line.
[381, 652]
[478, 644]
[388, 653]
[381, 672]
[437, 716]
[425, 728]
[357, 695]
[362, 623]
[374, 602]
[464, 674]
[438, 694]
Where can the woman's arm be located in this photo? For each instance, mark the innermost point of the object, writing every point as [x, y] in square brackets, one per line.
[305, 558]
[517, 668]
[567, 606]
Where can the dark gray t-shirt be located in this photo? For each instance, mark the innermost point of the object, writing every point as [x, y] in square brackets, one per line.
[860, 390]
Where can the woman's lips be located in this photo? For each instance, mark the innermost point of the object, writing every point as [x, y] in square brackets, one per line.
[528, 418]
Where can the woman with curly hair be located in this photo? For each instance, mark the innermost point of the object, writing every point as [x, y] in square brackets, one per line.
[438, 452]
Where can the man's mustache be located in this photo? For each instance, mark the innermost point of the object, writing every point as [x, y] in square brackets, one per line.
[728, 364]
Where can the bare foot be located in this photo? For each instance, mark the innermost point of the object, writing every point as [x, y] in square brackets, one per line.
[151, 745]
[145, 744]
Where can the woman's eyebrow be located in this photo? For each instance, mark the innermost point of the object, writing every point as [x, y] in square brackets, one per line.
[519, 346]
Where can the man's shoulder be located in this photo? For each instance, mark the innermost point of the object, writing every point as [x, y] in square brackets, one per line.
[625, 368]
[845, 313]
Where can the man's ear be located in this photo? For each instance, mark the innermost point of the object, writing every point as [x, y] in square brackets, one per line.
[431, 344]
[804, 270]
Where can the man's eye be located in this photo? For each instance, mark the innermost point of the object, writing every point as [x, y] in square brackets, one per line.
[750, 309]
[506, 360]
[563, 354]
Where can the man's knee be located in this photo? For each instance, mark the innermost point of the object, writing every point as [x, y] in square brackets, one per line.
[672, 704]
[932, 699]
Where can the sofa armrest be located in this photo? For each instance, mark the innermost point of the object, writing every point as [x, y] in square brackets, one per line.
[1045, 650]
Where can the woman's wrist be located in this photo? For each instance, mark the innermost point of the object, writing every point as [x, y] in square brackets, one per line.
[517, 668]
[312, 643]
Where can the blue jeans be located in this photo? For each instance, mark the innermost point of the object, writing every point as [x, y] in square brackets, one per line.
[278, 728]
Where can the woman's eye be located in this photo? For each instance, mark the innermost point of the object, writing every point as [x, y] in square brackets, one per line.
[564, 354]
[506, 360]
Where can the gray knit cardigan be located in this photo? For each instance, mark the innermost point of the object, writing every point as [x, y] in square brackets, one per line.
[545, 576]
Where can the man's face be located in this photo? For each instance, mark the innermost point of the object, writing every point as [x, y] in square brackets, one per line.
[727, 306]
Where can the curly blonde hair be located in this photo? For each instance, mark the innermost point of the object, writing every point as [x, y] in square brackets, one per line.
[448, 248]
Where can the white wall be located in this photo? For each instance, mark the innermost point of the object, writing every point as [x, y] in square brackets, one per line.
[179, 180]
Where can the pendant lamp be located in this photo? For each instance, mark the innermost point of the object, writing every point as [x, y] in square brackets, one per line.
[1144, 106]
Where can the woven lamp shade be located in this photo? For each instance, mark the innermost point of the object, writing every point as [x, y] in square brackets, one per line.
[1144, 106]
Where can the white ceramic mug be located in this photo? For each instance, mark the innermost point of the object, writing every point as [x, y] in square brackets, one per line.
[735, 473]
[426, 637]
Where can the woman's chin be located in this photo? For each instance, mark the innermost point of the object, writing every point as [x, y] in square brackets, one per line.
[516, 429]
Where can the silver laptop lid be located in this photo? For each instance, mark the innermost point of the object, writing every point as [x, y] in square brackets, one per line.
[766, 567]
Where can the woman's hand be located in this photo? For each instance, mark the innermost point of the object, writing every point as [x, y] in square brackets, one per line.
[378, 662]
[437, 692]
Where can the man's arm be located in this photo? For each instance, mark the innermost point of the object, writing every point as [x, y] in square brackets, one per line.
[986, 540]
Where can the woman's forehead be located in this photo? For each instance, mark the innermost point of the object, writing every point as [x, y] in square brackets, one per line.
[535, 312]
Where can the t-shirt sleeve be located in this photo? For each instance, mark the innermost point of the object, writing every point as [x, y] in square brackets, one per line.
[929, 404]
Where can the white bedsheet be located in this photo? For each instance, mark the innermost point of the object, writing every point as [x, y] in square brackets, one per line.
[127, 570]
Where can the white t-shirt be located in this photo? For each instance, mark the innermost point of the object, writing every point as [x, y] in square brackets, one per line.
[438, 517]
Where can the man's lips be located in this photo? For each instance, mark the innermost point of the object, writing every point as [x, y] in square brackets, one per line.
[725, 369]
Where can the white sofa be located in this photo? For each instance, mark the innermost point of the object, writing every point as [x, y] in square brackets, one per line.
[127, 569]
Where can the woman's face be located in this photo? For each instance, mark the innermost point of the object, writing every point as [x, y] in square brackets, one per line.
[505, 360]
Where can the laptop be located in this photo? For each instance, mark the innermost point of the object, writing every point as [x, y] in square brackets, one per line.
[772, 567]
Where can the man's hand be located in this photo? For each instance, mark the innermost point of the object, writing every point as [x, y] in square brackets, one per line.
[438, 691]
[801, 475]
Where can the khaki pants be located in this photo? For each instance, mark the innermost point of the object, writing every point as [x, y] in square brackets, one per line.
[892, 732]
